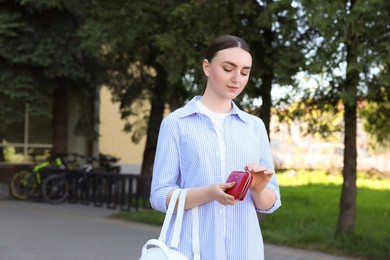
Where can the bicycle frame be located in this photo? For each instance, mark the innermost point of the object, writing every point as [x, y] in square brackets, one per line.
[57, 163]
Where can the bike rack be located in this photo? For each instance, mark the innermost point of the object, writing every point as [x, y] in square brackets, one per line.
[126, 191]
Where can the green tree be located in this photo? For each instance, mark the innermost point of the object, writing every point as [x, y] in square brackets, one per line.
[352, 40]
[153, 52]
[278, 43]
[124, 36]
[40, 60]
[270, 27]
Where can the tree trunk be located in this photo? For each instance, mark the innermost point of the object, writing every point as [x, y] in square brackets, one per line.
[60, 119]
[267, 79]
[156, 116]
[346, 220]
[265, 91]
[265, 110]
[177, 99]
[347, 212]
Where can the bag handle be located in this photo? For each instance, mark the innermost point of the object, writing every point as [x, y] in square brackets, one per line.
[178, 222]
[168, 215]
[195, 233]
[179, 219]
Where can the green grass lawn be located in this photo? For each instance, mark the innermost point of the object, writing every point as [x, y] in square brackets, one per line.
[308, 216]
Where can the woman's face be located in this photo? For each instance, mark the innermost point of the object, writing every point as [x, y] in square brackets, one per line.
[227, 73]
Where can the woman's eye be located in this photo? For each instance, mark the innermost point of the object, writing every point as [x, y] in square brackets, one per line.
[244, 73]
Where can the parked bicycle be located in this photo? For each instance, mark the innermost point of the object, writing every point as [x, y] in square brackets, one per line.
[79, 182]
[26, 184]
[108, 163]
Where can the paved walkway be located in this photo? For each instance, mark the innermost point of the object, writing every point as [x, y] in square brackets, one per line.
[39, 231]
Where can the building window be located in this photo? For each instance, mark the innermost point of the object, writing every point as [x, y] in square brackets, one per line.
[29, 140]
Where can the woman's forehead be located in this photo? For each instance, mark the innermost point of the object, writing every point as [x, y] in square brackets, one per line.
[235, 56]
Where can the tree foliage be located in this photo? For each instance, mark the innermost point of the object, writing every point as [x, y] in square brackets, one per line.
[39, 50]
[124, 36]
[324, 122]
[375, 116]
[270, 27]
[153, 51]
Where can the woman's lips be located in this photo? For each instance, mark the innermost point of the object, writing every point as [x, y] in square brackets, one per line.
[233, 87]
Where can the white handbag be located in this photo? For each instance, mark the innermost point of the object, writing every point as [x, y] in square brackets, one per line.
[157, 249]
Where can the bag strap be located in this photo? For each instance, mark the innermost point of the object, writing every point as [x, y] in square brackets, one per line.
[168, 215]
[195, 233]
[179, 219]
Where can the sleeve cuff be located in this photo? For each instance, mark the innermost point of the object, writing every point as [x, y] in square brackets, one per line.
[277, 203]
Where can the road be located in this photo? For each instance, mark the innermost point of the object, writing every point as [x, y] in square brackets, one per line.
[39, 231]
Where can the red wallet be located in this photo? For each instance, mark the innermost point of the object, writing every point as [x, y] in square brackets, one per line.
[243, 181]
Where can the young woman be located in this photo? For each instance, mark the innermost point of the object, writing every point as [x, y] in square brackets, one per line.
[201, 143]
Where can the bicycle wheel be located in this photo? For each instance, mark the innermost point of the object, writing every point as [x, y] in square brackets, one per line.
[55, 189]
[21, 185]
[36, 194]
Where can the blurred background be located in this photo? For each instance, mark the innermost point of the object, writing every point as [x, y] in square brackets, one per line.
[97, 77]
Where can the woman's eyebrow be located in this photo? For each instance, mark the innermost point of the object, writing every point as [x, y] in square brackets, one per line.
[235, 65]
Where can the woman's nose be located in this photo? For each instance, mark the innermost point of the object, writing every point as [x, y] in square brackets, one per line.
[236, 78]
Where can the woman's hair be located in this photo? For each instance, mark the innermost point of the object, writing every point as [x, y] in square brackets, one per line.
[221, 43]
[225, 42]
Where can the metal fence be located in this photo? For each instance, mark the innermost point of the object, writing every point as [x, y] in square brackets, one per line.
[115, 191]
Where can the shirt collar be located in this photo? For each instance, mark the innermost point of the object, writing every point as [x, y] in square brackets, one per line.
[191, 108]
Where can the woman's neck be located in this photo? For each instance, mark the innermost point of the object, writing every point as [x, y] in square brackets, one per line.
[218, 105]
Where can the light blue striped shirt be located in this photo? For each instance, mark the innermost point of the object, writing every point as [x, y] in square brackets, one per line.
[187, 156]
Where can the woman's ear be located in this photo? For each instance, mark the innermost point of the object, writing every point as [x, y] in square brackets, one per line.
[206, 67]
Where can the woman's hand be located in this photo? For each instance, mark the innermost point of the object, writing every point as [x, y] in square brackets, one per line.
[261, 176]
[201, 195]
[217, 192]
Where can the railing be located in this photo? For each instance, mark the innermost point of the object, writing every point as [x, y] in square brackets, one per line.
[124, 191]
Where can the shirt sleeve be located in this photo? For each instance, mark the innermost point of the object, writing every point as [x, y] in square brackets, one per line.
[273, 185]
[166, 166]
[267, 160]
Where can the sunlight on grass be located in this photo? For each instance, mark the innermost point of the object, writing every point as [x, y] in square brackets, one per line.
[309, 214]
[305, 177]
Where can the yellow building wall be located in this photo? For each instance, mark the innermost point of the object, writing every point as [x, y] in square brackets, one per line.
[113, 140]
